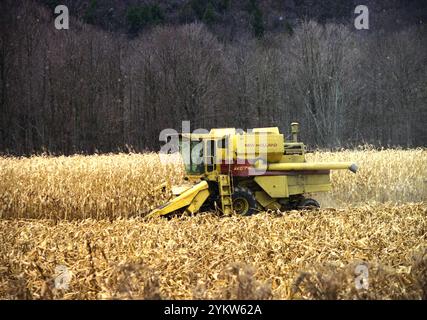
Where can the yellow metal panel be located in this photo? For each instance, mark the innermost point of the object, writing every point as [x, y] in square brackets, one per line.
[317, 179]
[198, 201]
[255, 145]
[263, 198]
[309, 183]
[184, 200]
[295, 185]
[266, 201]
[275, 186]
[268, 130]
[177, 190]
[296, 189]
[317, 183]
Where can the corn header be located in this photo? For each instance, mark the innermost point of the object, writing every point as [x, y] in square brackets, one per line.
[247, 172]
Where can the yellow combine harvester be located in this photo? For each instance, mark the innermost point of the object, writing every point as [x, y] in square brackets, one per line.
[247, 172]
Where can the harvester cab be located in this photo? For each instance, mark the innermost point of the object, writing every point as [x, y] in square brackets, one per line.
[247, 172]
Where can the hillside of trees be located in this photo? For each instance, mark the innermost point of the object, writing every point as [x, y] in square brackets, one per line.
[234, 19]
[114, 80]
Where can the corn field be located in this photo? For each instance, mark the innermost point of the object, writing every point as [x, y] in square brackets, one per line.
[388, 175]
[128, 185]
[295, 255]
[86, 213]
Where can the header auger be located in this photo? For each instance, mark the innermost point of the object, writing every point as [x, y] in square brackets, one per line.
[247, 172]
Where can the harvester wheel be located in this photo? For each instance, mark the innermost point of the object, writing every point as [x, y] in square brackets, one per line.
[308, 204]
[244, 202]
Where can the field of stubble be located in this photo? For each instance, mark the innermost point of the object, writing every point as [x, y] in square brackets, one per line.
[86, 213]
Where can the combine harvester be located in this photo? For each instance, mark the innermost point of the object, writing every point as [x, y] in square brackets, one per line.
[247, 173]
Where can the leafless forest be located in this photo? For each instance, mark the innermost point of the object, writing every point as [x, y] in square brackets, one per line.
[89, 89]
[73, 220]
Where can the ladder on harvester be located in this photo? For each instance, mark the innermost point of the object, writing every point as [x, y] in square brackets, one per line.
[225, 192]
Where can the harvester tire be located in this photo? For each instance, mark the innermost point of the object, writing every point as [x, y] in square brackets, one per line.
[244, 202]
[308, 204]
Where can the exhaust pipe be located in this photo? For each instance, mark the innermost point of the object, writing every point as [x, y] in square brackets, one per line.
[353, 168]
